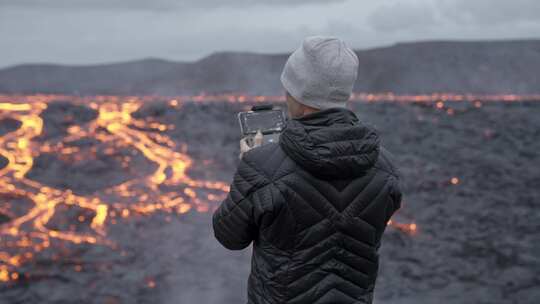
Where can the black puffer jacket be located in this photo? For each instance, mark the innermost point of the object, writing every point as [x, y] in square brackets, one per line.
[315, 206]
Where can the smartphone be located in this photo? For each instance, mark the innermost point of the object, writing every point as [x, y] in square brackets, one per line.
[269, 120]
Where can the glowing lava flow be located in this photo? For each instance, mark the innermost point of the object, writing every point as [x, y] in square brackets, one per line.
[26, 233]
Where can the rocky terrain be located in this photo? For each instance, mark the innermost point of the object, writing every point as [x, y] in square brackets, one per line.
[482, 67]
[471, 185]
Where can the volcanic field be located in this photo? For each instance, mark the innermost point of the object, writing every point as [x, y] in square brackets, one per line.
[109, 200]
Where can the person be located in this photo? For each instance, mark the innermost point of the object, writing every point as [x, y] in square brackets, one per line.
[315, 204]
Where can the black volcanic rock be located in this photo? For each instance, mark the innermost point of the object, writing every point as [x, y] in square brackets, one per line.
[61, 115]
[422, 67]
[13, 206]
[477, 241]
[71, 218]
[8, 125]
[3, 161]
[88, 171]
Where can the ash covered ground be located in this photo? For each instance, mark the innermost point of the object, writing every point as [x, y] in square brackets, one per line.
[477, 239]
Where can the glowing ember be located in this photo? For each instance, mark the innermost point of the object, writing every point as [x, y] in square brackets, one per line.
[454, 180]
[407, 228]
[4, 275]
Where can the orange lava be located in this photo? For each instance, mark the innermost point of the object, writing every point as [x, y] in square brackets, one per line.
[23, 236]
[28, 234]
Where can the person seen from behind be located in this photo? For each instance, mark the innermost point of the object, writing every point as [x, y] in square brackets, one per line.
[315, 204]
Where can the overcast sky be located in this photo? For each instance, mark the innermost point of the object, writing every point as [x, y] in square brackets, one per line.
[94, 31]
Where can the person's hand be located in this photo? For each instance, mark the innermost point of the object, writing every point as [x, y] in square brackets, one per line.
[244, 146]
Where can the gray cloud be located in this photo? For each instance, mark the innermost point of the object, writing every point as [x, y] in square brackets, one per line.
[92, 31]
[400, 15]
[486, 12]
[159, 5]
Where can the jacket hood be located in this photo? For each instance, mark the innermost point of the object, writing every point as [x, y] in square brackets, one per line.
[331, 143]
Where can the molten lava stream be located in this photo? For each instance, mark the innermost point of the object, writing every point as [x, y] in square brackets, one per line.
[28, 232]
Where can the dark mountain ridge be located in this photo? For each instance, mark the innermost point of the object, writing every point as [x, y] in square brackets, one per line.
[483, 67]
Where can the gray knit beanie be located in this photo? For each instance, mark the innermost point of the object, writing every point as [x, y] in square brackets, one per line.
[321, 73]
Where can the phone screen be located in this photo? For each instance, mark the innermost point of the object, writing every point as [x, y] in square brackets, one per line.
[266, 121]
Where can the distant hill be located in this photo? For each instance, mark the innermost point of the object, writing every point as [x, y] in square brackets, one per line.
[419, 67]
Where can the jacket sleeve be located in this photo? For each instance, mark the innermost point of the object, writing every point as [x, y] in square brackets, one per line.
[235, 221]
[395, 182]
[396, 194]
